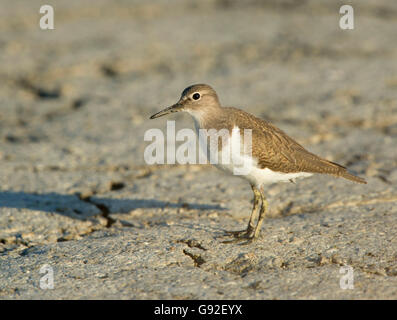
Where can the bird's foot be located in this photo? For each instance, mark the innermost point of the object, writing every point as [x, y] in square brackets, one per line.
[242, 240]
[243, 235]
[238, 233]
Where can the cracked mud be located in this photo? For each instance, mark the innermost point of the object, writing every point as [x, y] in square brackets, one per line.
[77, 195]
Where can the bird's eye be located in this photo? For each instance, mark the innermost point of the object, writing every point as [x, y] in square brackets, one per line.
[196, 96]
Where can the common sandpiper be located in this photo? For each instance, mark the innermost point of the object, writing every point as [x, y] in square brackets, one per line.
[274, 156]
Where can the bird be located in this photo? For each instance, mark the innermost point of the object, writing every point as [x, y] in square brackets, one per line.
[273, 156]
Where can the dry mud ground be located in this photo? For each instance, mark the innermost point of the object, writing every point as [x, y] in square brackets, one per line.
[77, 195]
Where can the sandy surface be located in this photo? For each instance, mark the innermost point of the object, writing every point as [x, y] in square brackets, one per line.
[77, 195]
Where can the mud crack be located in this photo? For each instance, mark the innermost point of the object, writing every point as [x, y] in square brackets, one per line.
[197, 259]
[105, 212]
[192, 243]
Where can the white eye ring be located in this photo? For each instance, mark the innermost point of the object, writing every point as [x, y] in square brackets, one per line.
[196, 96]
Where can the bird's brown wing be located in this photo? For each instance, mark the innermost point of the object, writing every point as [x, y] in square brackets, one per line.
[275, 150]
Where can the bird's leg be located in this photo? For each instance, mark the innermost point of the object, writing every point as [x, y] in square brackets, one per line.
[246, 233]
[262, 214]
[251, 236]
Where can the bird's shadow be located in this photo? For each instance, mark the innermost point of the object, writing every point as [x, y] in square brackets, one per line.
[73, 206]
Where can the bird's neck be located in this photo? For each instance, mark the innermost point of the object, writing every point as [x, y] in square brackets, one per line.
[205, 118]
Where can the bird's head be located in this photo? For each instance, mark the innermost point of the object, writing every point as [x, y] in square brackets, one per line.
[195, 99]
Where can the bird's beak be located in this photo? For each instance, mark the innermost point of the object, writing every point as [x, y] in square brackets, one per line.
[174, 108]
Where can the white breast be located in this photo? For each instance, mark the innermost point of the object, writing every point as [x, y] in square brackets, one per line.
[244, 165]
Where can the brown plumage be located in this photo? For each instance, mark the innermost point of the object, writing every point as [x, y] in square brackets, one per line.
[278, 157]
[275, 150]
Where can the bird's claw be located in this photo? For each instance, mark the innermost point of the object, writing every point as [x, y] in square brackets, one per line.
[241, 241]
[241, 235]
[238, 233]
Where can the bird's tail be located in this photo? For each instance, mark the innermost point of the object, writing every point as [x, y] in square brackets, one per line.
[352, 177]
[342, 172]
